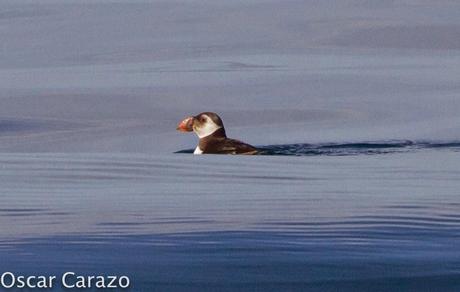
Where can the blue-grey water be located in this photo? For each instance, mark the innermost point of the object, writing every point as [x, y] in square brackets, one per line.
[354, 103]
[385, 222]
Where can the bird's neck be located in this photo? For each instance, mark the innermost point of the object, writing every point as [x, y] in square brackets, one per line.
[211, 138]
[219, 133]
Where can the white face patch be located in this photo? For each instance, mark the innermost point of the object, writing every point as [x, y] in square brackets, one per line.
[207, 128]
[198, 150]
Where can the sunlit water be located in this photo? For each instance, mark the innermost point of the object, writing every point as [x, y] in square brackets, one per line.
[381, 222]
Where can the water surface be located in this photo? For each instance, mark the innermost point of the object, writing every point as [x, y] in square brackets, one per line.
[355, 101]
[184, 223]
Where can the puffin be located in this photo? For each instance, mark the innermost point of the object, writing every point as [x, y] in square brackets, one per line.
[210, 130]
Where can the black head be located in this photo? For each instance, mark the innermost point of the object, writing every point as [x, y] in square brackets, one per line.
[203, 125]
[213, 116]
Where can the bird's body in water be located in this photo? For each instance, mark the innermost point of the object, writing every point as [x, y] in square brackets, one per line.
[210, 130]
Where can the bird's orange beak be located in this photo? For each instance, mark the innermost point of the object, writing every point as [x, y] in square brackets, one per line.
[186, 125]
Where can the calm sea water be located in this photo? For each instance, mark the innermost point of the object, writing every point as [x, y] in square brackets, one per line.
[384, 222]
[337, 214]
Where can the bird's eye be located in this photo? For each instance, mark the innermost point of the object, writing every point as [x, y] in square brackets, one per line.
[202, 119]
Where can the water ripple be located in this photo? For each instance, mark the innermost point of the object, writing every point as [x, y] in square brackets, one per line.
[272, 221]
[355, 148]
